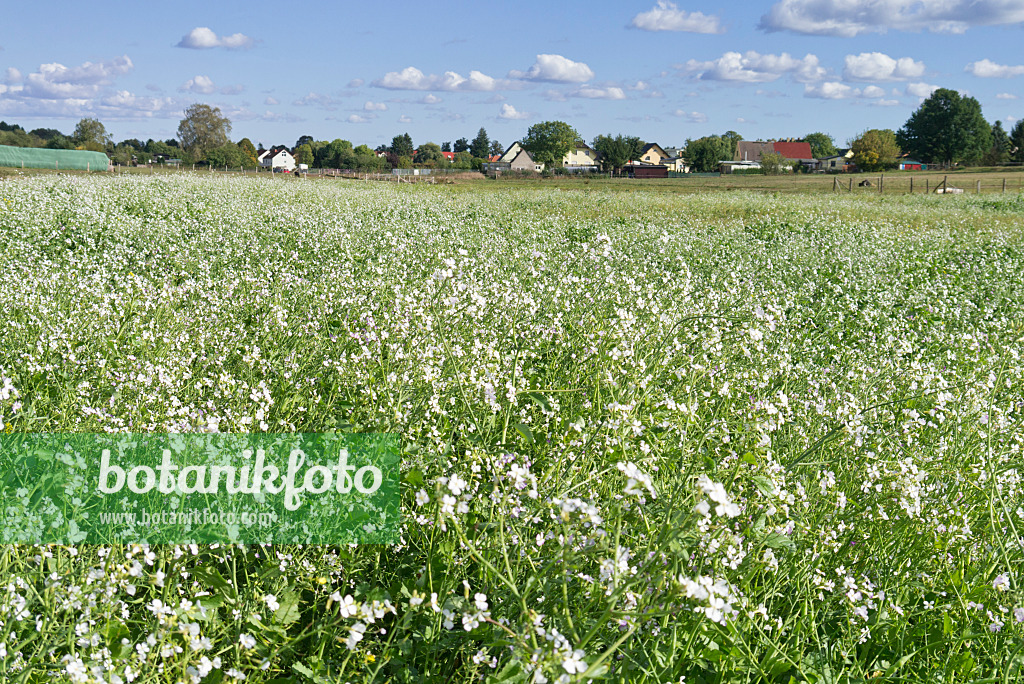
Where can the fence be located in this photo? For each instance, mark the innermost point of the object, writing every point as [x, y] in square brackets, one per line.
[927, 185]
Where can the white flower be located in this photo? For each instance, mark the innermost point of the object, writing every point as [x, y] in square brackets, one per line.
[470, 621]
[271, 601]
[573, 663]
[1001, 583]
[347, 606]
[456, 485]
[422, 498]
[481, 602]
[246, 641]
[355, 635]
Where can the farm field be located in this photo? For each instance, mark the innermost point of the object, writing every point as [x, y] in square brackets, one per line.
[647, 436]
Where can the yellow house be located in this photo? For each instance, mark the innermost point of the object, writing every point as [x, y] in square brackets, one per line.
[653, 154]
[582, 157]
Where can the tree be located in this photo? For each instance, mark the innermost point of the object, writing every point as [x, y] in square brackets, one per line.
[402, 145]
[732, 140]
[429, 154]
[947, 128]
[91, 134]
[46, 134]
[999, 152]
[822, 145]
[481, 143]
[461, 145]
[875, 150]
[249, 150]
[337, 154]
[367, 160]
[615, 152]
[303, 140]
[496, 148]
[203, 129]
[706, 154]
[446, 146]
[771, 163]
[549, 141]
[1017, 141]
[228, 154]
[304, 154]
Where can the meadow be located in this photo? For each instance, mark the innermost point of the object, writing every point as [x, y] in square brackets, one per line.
[647, 437]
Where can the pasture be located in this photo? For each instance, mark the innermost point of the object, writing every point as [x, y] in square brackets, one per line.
[647, 436]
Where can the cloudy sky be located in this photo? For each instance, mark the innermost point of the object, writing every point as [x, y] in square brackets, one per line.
[664, 71]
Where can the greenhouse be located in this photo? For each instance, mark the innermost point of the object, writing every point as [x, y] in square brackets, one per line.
[40, 158]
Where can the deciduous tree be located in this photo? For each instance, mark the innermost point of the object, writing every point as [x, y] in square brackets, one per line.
[91, 134]
[706, 154]
[876, 150]
[461, 145]
[822, 145]
[429, 154]
[203, 129]
[999, 152]
[1017, 141]
[947, 128]
[549, 141]
[402, 145]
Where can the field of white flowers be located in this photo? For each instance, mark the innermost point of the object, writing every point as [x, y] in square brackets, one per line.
[646, 438]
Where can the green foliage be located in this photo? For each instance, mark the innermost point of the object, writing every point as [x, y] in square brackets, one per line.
[549, 141]
[230, 155]
[706, 154]
[203, 129]
[429, 155]
[999, 152]
[480, 145]
[337, 154]
[822, 145]
[304, 154]
[876, 150]
[249, 150]
[402, 146]
[1017, 141]
[461, 145]
[496, 148]
[617, 151]
[947, 128]
[88, 131]
[772, 163]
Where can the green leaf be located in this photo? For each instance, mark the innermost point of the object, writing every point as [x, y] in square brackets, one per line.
[540, 400]
[289, 611]
[776, 540]
[510, 674]
[525, 432]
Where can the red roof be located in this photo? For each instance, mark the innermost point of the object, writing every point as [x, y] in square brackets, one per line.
[794, 150]
[450, 156]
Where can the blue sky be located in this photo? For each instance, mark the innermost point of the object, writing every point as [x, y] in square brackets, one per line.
[664, 71]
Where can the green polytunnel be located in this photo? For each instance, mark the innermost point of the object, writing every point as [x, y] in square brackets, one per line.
[40, 158]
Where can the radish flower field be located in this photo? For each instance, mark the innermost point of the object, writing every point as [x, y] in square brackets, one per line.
[645, 437]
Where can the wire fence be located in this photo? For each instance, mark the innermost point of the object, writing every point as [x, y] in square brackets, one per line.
[929, 184]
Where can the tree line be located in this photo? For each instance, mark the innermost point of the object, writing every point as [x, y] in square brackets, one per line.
[947, 129]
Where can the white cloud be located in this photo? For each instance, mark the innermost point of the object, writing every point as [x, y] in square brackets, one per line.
[921, 89]
[58, 82]
[595, 93]
[511, 113]
[314, 99]
[555, 69]
[200, 84]
[202, 38]
[359, 119]
[753, 67]
[692, 117]
[375, 106]
[204, 85]
[640, 86]
[271, 101]
[833, 90]
[356, 83]
[877, 66]
[412, 78]
[1006, 96]
[404, 119]
[667, 16]
[12, 76]
[886, 103]
[850, 18]
[430, 99]
[989, 69]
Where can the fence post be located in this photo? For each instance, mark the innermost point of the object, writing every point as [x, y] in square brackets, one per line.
[850, 188]
[927, 185]
[978, 192]
[911, 185]
[881, 183]
[944, 186]
[1004, 185]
